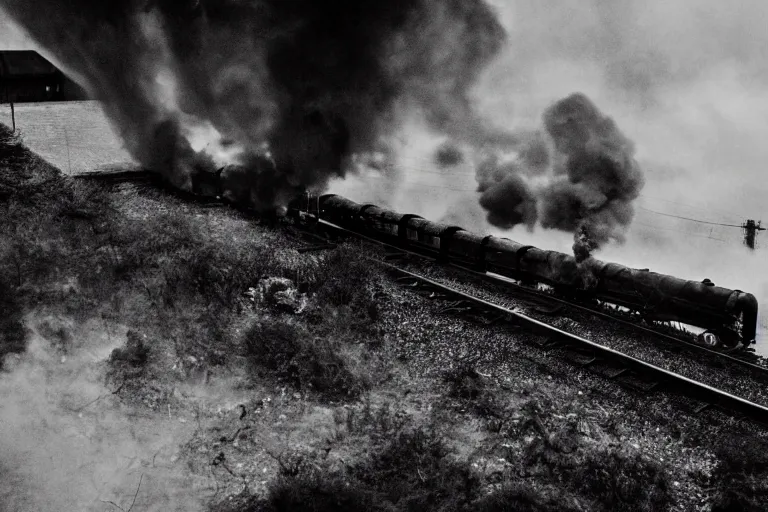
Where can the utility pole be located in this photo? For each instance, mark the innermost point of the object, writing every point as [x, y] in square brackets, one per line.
[751, 229]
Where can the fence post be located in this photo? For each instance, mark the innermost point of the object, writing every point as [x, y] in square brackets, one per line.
[13, 118]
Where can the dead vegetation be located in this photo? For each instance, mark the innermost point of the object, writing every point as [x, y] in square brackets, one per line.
[308, 362]
[414, 471]
[12, 331]
[68, 246]
[324, 350]
[741, 477]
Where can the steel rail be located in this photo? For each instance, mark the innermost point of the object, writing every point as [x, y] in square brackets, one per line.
[502, 281]
[692, 388]
[680, 383]
[141, 175]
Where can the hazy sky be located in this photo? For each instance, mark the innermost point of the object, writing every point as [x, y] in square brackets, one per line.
[11, 37]
[686, 80]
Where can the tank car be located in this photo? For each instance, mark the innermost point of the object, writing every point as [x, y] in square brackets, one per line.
[432, 238]
[729, 317]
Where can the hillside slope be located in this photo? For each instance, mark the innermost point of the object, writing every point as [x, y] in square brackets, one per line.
[181, 357]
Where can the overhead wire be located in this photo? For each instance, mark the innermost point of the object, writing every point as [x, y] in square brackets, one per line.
[687, 233]
[473, 189]
[692, 220]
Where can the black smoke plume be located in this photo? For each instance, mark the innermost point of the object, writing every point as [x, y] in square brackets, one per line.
[582, 180]
[448, 155]
[302, 84]
[596, 175]
[504, 194]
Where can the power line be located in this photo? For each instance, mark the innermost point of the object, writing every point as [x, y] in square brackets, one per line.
[708, 208]
[687, 233]
[692, 220]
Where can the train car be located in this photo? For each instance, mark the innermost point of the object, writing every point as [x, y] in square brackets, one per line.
[468, 249]
[432, 238]
[554, 268]
[729, 317]
[336, 209]
[502, 256]
[382, 224]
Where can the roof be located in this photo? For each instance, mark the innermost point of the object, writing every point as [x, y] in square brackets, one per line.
[18, 63]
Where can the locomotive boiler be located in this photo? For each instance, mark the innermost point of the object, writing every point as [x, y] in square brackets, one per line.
[727, 317]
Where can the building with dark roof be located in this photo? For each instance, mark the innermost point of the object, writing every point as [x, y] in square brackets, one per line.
[26, 76]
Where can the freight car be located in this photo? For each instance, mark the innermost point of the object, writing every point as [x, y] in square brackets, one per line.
[727, 317]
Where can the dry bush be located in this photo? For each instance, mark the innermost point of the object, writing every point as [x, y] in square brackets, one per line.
[313, 493]
[563, 451]
[476, 393]
[741, 476]
[12, 331]
[344, 285]
[416, 472]
[135, 353]
[619, 480]
[413, 472]
[293, 354]
[521, 498]
[465, 382]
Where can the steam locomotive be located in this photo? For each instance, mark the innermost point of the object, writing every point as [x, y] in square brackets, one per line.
[728, 318]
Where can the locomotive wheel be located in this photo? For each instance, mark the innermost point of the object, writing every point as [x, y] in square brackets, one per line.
[709, 339]
[720, 339]
[729, 339]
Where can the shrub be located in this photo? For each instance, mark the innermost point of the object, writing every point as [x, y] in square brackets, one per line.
[741, 476]
[344, 280]
[468, 385]
[308, 362]
[623, 481]
[465, 382]
[519, 498]
[135, 354]
[414, 472]
[319, 494]
[12, 331]
[742, 454]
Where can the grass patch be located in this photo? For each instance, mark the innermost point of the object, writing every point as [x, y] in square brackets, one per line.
[519, 497]
[12, 331]
[621, 480]
[413, 472]
[741, 476]
[294, 354]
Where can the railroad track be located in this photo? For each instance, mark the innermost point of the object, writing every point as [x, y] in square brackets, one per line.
[547, 303]
[614, 365]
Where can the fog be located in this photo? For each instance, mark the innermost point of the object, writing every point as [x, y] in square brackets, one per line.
[686, 81]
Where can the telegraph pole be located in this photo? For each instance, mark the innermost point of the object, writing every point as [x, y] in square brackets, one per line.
[751, 229]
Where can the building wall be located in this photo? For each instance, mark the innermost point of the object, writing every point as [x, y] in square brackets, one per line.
[32, 89]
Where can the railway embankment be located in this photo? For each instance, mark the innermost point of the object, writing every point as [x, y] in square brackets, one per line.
[165, 355]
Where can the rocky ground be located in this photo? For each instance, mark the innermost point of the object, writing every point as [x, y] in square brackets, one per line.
[161, 355]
